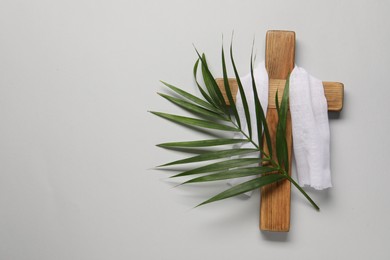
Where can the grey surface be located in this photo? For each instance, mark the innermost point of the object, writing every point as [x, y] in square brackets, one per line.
[77, 146]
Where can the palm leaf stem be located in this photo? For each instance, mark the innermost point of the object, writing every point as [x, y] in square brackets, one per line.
[267, 157]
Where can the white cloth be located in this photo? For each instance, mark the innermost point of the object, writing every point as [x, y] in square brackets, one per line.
[310, 126]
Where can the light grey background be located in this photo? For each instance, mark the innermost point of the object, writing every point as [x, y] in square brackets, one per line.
[77, 145]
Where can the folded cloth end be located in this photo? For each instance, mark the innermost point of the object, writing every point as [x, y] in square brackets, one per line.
[316, 187]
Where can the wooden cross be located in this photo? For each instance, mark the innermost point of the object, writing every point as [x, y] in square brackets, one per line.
[279, 61]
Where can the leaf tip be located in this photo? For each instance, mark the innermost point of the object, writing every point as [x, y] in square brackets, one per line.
[177, 185]
[200, 204]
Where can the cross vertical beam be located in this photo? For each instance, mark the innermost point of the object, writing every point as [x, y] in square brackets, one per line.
[276, 198]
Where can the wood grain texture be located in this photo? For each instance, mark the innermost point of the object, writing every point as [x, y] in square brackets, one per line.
[334, 92]
[279, 53]
[275, 199]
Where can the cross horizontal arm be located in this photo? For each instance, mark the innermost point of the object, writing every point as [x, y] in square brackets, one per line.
[334, 92]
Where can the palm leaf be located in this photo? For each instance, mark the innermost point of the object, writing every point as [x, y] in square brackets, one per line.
[232, 174]
[242, 93]
[202, 143]
[192, 98]
[245, 187]
[208, 82]
[195, 122]
[219, 166]
[257, 105]
[228, 91]
[213, 156]
[210, 89]
[192, 107]
[208, 77]
[260, 117]
[277, 102]
[202, 91]
[212, 85]
[281, 142]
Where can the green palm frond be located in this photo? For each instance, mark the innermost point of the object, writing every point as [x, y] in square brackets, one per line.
[260, 117]
[193, 108]
[202, 143]
[245, 187]
[213, 115]
[242, 93]
[228, 91]
[221, 166]
[281, 142]
[202, 91]
[189, 121]
[213, 155]
[232, 174]
[193, 98]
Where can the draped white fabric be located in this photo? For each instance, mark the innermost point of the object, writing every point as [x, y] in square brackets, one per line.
[310, 125]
